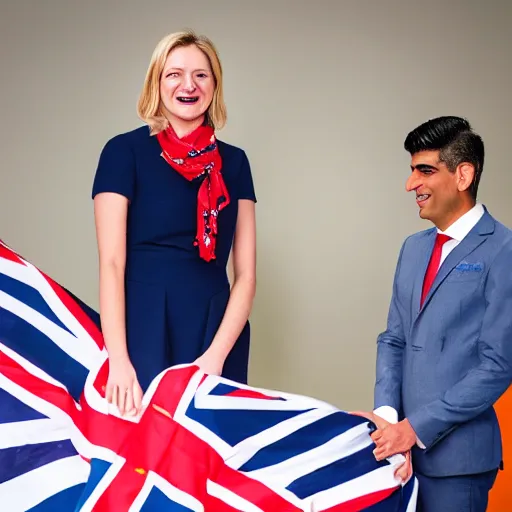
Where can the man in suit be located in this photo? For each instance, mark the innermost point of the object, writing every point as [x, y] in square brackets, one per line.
[446, 355]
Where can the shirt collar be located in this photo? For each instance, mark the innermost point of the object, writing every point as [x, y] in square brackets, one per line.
[463, 225]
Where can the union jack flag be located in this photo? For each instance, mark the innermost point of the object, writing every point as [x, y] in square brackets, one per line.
[202, 443]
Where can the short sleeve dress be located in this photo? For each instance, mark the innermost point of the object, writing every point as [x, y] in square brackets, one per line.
[175, 300]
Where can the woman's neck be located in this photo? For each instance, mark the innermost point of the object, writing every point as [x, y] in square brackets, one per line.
[182, 127]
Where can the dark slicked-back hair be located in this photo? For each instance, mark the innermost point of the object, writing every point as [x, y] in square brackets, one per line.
[456, 142]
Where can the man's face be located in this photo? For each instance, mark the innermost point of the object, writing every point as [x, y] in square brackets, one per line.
[437, 188]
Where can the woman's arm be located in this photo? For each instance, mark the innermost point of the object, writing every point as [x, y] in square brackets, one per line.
[110, 212]
[242, 293]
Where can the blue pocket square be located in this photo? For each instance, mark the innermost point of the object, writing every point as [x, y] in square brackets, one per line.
[469, 267]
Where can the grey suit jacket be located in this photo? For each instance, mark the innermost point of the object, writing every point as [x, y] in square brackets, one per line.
[444, 365]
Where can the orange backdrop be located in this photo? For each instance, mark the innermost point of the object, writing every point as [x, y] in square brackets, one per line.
[500, 499]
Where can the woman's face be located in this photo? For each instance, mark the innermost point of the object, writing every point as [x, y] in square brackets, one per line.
[187, 85]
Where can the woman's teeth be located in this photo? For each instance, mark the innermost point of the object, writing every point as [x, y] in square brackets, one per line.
[185, 99]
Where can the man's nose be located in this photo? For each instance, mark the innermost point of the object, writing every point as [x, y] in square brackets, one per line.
[413, 182]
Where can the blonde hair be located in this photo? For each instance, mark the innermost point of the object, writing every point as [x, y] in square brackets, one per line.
[149, 104]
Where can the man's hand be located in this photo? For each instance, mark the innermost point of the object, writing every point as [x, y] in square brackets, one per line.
[393, 439]
[404, 472]
[380, 423]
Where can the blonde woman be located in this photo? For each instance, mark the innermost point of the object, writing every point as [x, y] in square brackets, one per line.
[171, 201]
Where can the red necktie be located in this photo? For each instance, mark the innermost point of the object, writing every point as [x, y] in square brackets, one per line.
[433, 265]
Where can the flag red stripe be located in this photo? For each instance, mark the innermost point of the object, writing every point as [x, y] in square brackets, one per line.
[57, 396]
[9, 254]
[121, 492]
[247, 393]
[253, 490]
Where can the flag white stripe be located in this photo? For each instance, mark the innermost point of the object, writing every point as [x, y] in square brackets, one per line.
[205, 400]
[411, 507]
[31, 368]
[230, 498]
[28, 490]
[378, 480]
[63, 339]
[156, 481]
[214, 380]
[284, 473]
[20, 433]
[28, 274]
[247, 448]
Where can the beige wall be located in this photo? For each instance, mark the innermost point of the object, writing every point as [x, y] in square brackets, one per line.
[320, 94]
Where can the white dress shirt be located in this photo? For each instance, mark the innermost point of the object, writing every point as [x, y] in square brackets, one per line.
[457, 232]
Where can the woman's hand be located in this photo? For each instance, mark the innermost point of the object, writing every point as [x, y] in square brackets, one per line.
[123, 389]
[210, 363]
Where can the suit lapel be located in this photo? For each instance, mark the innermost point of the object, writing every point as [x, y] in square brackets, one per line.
[424, 248]
[473, 239]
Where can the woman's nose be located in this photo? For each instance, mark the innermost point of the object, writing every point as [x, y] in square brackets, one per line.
[188, 83]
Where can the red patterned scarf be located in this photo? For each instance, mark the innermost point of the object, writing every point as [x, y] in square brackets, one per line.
[196, 156]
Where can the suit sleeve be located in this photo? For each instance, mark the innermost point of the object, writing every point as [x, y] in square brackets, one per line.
[390, 349]
[484, 384]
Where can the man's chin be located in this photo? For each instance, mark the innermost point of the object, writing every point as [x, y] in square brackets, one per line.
[423, 213]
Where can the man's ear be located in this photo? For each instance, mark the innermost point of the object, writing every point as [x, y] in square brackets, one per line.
[465, 175]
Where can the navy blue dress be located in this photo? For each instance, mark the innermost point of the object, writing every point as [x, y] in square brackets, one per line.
[175, 300]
